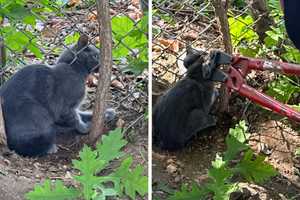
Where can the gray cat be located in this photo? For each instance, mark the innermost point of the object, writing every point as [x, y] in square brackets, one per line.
[184, 110]
[40, 101]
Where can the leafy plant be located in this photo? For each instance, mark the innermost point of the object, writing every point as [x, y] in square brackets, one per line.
[276, 45]
[220, 185]
[22, 16]
[243, 37]
[131, 43]
[283, 88]
[125, 180]
[297, 153]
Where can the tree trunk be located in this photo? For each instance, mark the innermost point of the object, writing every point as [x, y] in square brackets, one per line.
[221, 8]
[260, 14]
[104, 71]
[2, 48]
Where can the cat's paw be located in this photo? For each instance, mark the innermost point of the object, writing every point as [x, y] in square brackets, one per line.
[84, 128]
[53, 149]
[109, 115]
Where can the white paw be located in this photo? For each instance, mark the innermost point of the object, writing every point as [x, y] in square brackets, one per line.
[53, 149]
[84, 127]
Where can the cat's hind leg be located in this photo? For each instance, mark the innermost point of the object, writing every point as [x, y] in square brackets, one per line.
[197, 121]
[34, 143]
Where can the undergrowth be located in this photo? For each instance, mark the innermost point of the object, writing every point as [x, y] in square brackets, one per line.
[22, 17]
[276, 45]
[237, 161]
[125, 180]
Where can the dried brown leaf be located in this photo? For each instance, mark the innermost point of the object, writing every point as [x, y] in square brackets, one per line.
[171, 44]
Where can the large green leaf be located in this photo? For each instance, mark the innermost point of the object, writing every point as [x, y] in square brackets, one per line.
[195, 193]
[132, 180]
[56, 191]
[255, 168]
[110, 146]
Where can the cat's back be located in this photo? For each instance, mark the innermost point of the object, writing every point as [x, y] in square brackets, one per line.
[27, 80]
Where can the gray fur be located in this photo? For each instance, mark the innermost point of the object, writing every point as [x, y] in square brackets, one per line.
[40, 101]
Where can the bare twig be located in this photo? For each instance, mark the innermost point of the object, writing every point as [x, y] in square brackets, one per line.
[3, 140]
[104, 71]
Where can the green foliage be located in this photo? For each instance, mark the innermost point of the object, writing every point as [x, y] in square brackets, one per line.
[55, 191]
[23, 12]
[110, 146]
[283, 88]
[72, 38]
[220, 186]
[251, 167]
[195, 192]
[125, 180]
[130, 37]
[132, 180]
[235, 141]
[254, 168]
[276, 45]
[240, 29]
[131, 42]
[297, 153]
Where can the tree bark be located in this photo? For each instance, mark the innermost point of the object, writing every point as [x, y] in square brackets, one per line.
[104, 71]
[221, 8]
[260, 14]
[2, 48]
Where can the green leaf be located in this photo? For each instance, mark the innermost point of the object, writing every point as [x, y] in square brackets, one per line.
[235, 140]
[36, 51]
[282, 89]
[71, 39]
[222, 190]
[89, 164]
[255, 169]
[56, 191]
[233, 148]
[241, 29]
[121, 26]
[219, 172]
[110, 146]
[297, 152]
[132, 180]
[219, 184]
[240, 132]
[196, 193]
[29, 19]
[102, 192]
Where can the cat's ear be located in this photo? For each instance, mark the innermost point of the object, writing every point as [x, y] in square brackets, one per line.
[82, 41]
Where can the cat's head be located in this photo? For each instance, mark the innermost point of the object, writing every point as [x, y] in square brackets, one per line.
[201, 65]
[193, 62]
[193, 56]
[81, 54]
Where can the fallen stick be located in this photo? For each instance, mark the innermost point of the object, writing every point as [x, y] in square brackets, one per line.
[3, 140]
